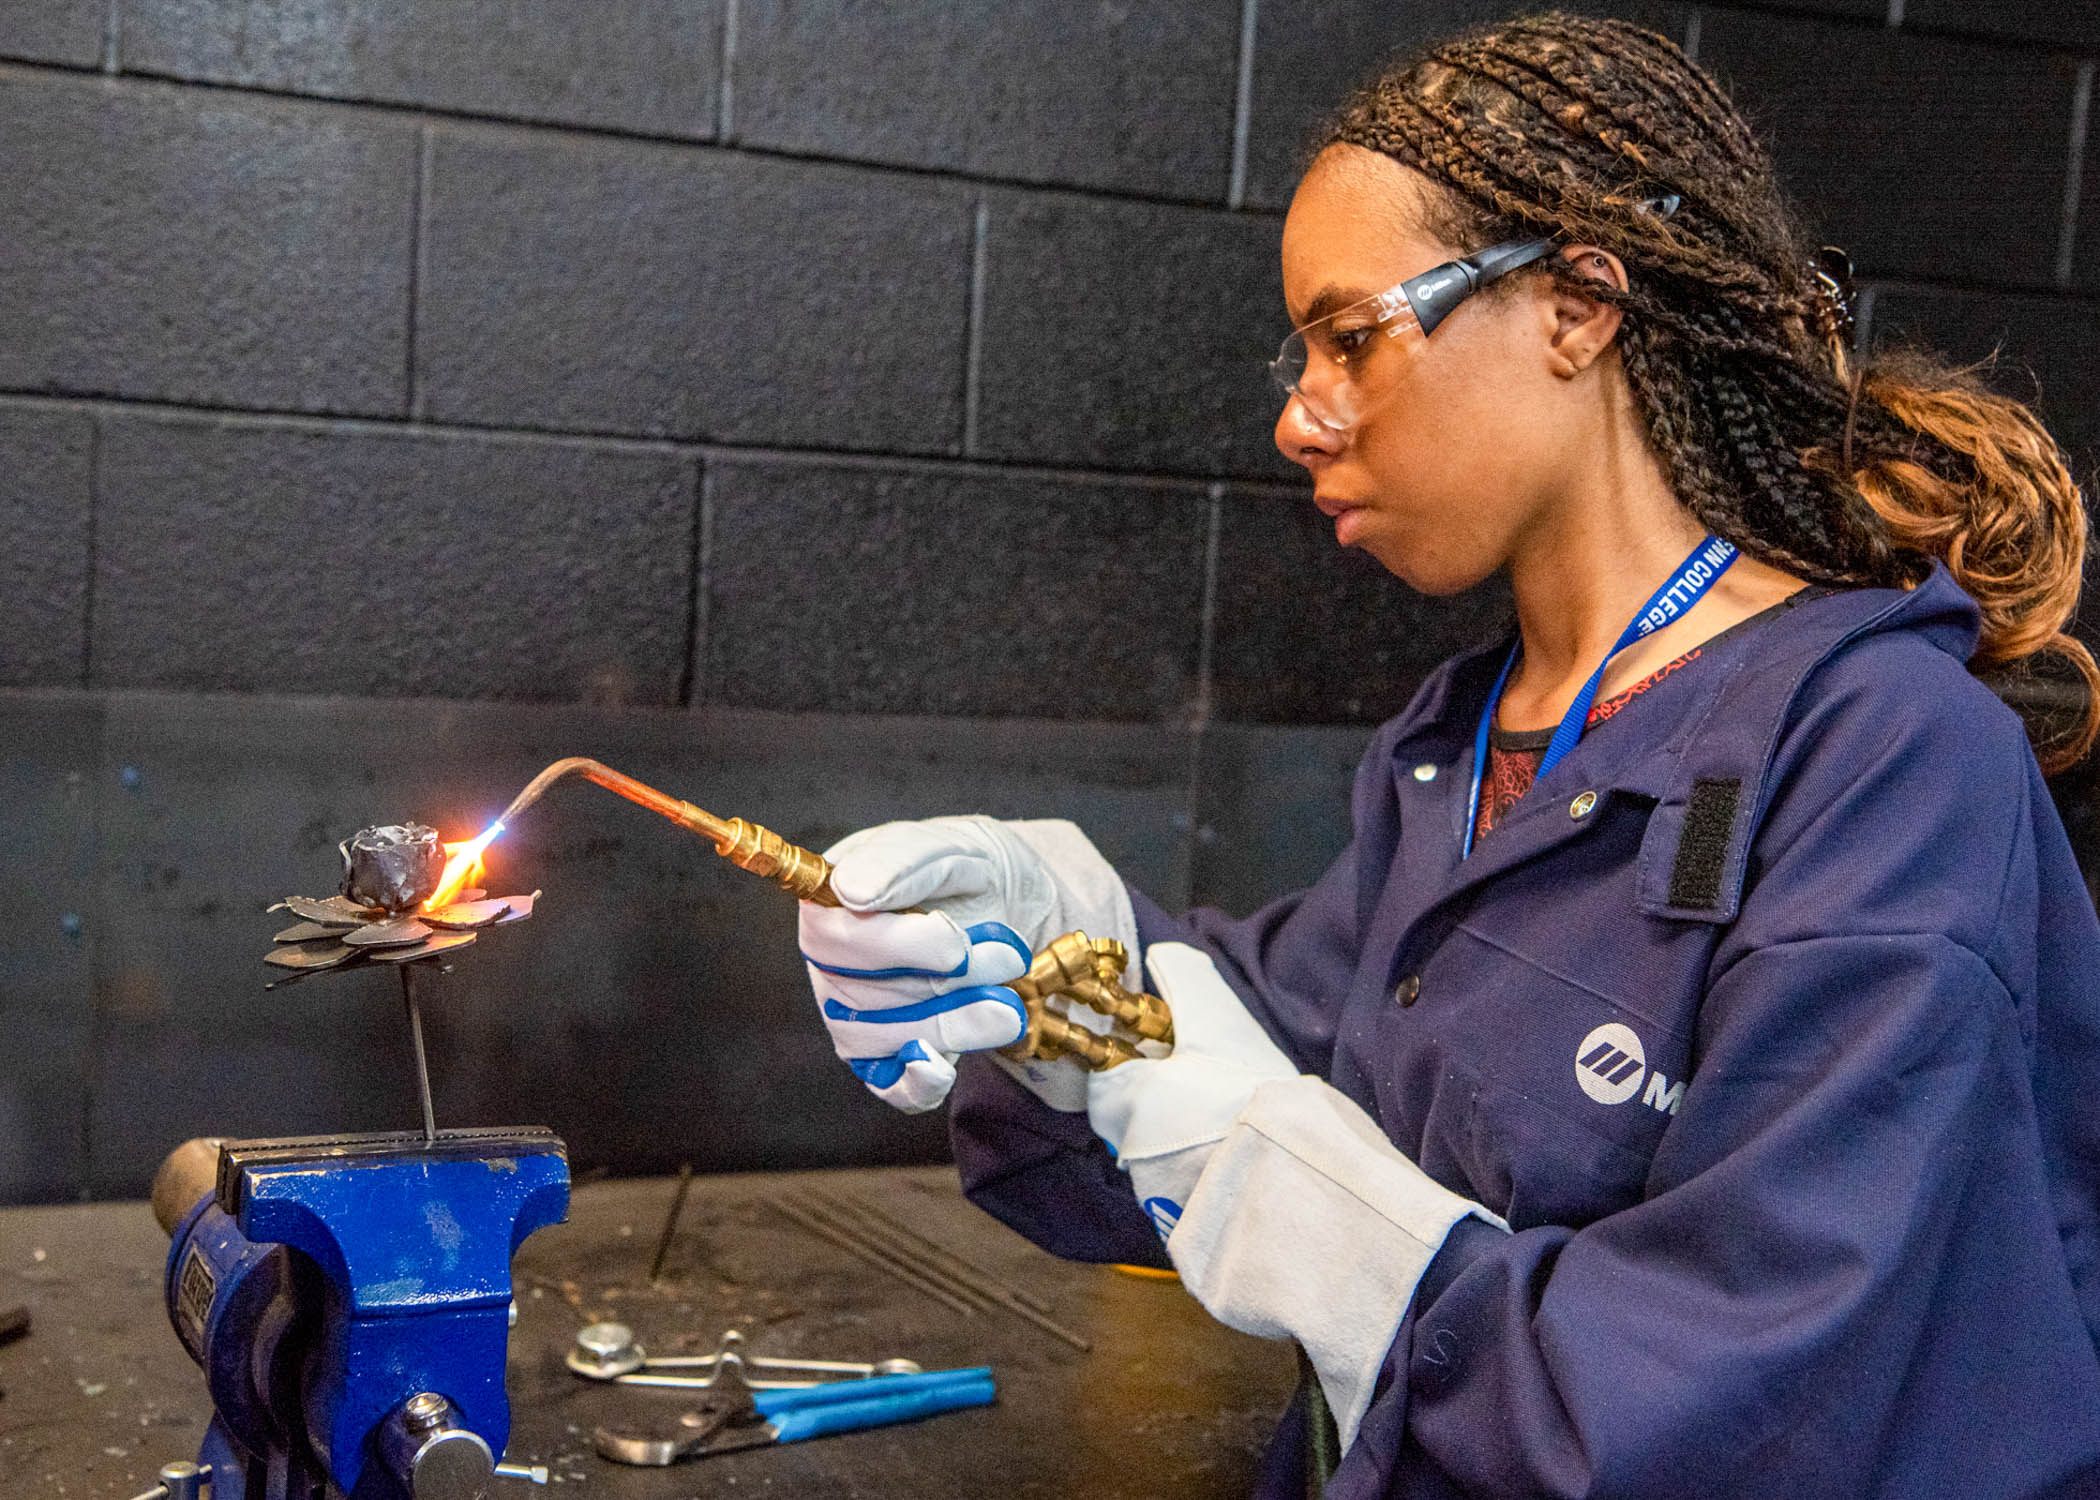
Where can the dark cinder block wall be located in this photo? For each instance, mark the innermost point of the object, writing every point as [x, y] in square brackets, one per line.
[831, 412]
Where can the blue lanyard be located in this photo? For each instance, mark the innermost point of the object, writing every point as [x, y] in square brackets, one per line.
[1709, 560]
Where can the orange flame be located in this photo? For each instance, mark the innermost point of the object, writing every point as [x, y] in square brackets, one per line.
[462, 867]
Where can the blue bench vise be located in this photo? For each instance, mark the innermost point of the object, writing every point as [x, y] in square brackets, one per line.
[349, 1300]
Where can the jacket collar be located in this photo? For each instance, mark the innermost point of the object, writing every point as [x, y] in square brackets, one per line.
[1700, 751]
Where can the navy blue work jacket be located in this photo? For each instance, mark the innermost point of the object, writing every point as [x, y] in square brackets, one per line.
[1769, 1019]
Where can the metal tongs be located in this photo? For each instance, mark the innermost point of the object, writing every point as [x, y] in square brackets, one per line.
[608, 1351]
[733, 1413]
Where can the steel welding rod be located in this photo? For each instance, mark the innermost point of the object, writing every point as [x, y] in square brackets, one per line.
[1026, 1308]
[663, 1241]
[900, 1269]
[815, 1205]
[744, 844]
[898, 1227]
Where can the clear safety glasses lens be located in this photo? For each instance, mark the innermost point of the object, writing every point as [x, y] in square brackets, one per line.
[1329, 366]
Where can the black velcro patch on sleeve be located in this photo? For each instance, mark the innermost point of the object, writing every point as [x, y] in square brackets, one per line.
[1702, 849]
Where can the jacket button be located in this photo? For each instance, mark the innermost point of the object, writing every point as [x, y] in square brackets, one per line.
[1425, 772]
[1580, 807]
[1409, 990]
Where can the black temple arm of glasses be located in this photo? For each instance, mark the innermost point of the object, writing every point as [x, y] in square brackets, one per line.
[1434, 294]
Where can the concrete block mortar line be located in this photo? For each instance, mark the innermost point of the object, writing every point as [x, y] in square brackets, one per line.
[1243, 105]
[102, 777]
[973, 342]
[385, 427]
[418, 267]
[87, 601]
[1207, 618]
[564, 130]
[1201, 711]
[692, 689]
[725, 92]
[2074, 173]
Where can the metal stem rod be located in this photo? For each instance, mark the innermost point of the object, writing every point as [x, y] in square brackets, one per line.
[415, 1031]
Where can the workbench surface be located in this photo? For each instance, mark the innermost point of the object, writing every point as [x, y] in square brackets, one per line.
[1167, 1404]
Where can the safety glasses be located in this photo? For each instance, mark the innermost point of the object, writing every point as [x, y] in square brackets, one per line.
[1323, 365]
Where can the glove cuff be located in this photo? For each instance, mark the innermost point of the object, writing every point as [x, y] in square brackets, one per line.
[1308, 1223]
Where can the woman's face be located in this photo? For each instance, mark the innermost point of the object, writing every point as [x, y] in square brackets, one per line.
[1463, 434]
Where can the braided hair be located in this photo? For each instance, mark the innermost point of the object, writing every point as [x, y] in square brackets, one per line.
[1770, 433]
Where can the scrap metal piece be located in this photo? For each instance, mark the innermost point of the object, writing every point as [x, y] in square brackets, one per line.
[333, 912]
[520, 909]
[466, 916]
[307, 932]
[395, 866]
[311, 956]
[388, 934]
[437, 942]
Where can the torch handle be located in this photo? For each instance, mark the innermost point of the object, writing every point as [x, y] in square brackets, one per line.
[1073, 968]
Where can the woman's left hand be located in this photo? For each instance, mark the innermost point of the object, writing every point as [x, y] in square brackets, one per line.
[1163, 1117]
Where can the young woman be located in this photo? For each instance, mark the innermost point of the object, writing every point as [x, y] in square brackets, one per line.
[1688, 1081]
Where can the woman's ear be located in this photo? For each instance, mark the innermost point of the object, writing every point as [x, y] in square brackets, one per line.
[1583, 327]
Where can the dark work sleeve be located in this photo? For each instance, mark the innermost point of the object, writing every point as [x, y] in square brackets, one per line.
[1042, 1172]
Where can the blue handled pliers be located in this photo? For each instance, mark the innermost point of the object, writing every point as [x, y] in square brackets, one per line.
[735, 1416]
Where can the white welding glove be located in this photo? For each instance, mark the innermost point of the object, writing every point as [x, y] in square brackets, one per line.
[904, 993]
[1287, 1211]
[1162, 1117]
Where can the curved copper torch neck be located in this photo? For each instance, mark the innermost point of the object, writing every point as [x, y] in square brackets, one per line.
[706, 824]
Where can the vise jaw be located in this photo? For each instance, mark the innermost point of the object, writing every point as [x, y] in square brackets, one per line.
[325, 1283]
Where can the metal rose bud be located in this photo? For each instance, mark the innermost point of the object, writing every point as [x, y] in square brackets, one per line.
[394, 867]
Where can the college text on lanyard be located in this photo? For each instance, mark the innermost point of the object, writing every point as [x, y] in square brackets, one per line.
[1709, 560]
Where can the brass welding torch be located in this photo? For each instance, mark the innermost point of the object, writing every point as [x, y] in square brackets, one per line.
[1068, 971]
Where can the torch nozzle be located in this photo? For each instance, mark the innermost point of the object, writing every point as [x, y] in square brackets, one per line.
[747, 845]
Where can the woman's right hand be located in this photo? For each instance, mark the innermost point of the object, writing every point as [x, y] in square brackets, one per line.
[905, 991]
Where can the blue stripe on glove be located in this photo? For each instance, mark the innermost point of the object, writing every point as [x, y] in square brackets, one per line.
[882, 1072]
[926, 1009]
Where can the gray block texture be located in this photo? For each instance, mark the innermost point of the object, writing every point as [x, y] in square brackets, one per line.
[1272, 810]
[2070, 24]
[49, 745]
[199, 247]
[265, 557]
[1130, 336]
[861, 590]
[638, 65]
[632, 288]
[55, 31]
[46, 501]
[1134, 98]
[1308, 633]
[1310, 54]
[1968, 187]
